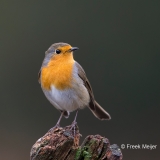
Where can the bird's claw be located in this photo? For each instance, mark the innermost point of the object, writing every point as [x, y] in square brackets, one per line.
[53, 128]
[73, 127]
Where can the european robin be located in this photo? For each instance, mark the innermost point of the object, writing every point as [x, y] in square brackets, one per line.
[65, 84]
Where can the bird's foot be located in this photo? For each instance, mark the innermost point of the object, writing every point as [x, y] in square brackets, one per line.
[73, 127]
[55, 127]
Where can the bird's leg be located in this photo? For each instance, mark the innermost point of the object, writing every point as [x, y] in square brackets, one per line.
[58, 123]
[59, 120]
[74, 122]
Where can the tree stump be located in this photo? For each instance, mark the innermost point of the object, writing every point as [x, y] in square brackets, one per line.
[63, 144]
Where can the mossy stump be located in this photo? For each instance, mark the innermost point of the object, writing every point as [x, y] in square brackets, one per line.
[63, 144]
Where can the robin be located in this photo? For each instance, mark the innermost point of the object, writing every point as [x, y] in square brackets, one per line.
[65, 84]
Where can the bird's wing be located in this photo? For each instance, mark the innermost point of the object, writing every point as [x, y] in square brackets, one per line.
[96, 109]
[39, 75]
[83, 76]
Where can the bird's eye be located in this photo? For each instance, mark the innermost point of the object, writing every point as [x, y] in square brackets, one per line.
[58, 51]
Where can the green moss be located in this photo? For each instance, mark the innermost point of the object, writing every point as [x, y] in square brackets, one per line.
[85, 152]
[82, 153]
[78, 154]
[86, 155]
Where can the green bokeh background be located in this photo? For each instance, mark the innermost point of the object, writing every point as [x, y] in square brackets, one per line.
[120, 52]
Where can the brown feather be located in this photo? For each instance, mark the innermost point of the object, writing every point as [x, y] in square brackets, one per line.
[39, 76]
[96, 109]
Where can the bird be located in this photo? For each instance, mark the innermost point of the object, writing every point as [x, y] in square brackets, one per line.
[65, 84]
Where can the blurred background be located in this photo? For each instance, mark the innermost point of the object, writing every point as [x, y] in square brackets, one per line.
[120, 52]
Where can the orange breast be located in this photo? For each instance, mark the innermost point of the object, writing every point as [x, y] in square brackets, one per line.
[58, 72]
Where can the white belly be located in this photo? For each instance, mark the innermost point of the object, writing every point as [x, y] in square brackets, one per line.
[68, 99]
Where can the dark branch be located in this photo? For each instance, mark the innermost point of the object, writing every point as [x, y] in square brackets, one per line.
[63, 144]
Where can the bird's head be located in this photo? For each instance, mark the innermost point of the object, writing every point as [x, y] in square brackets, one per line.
[59, 51]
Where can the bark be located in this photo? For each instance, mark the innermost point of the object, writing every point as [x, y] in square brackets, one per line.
[63, 144]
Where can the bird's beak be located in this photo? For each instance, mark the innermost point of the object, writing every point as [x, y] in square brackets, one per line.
[73, 49]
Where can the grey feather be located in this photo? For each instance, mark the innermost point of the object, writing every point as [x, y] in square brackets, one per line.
[96, 109]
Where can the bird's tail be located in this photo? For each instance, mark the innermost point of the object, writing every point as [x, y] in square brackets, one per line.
[99, 112]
